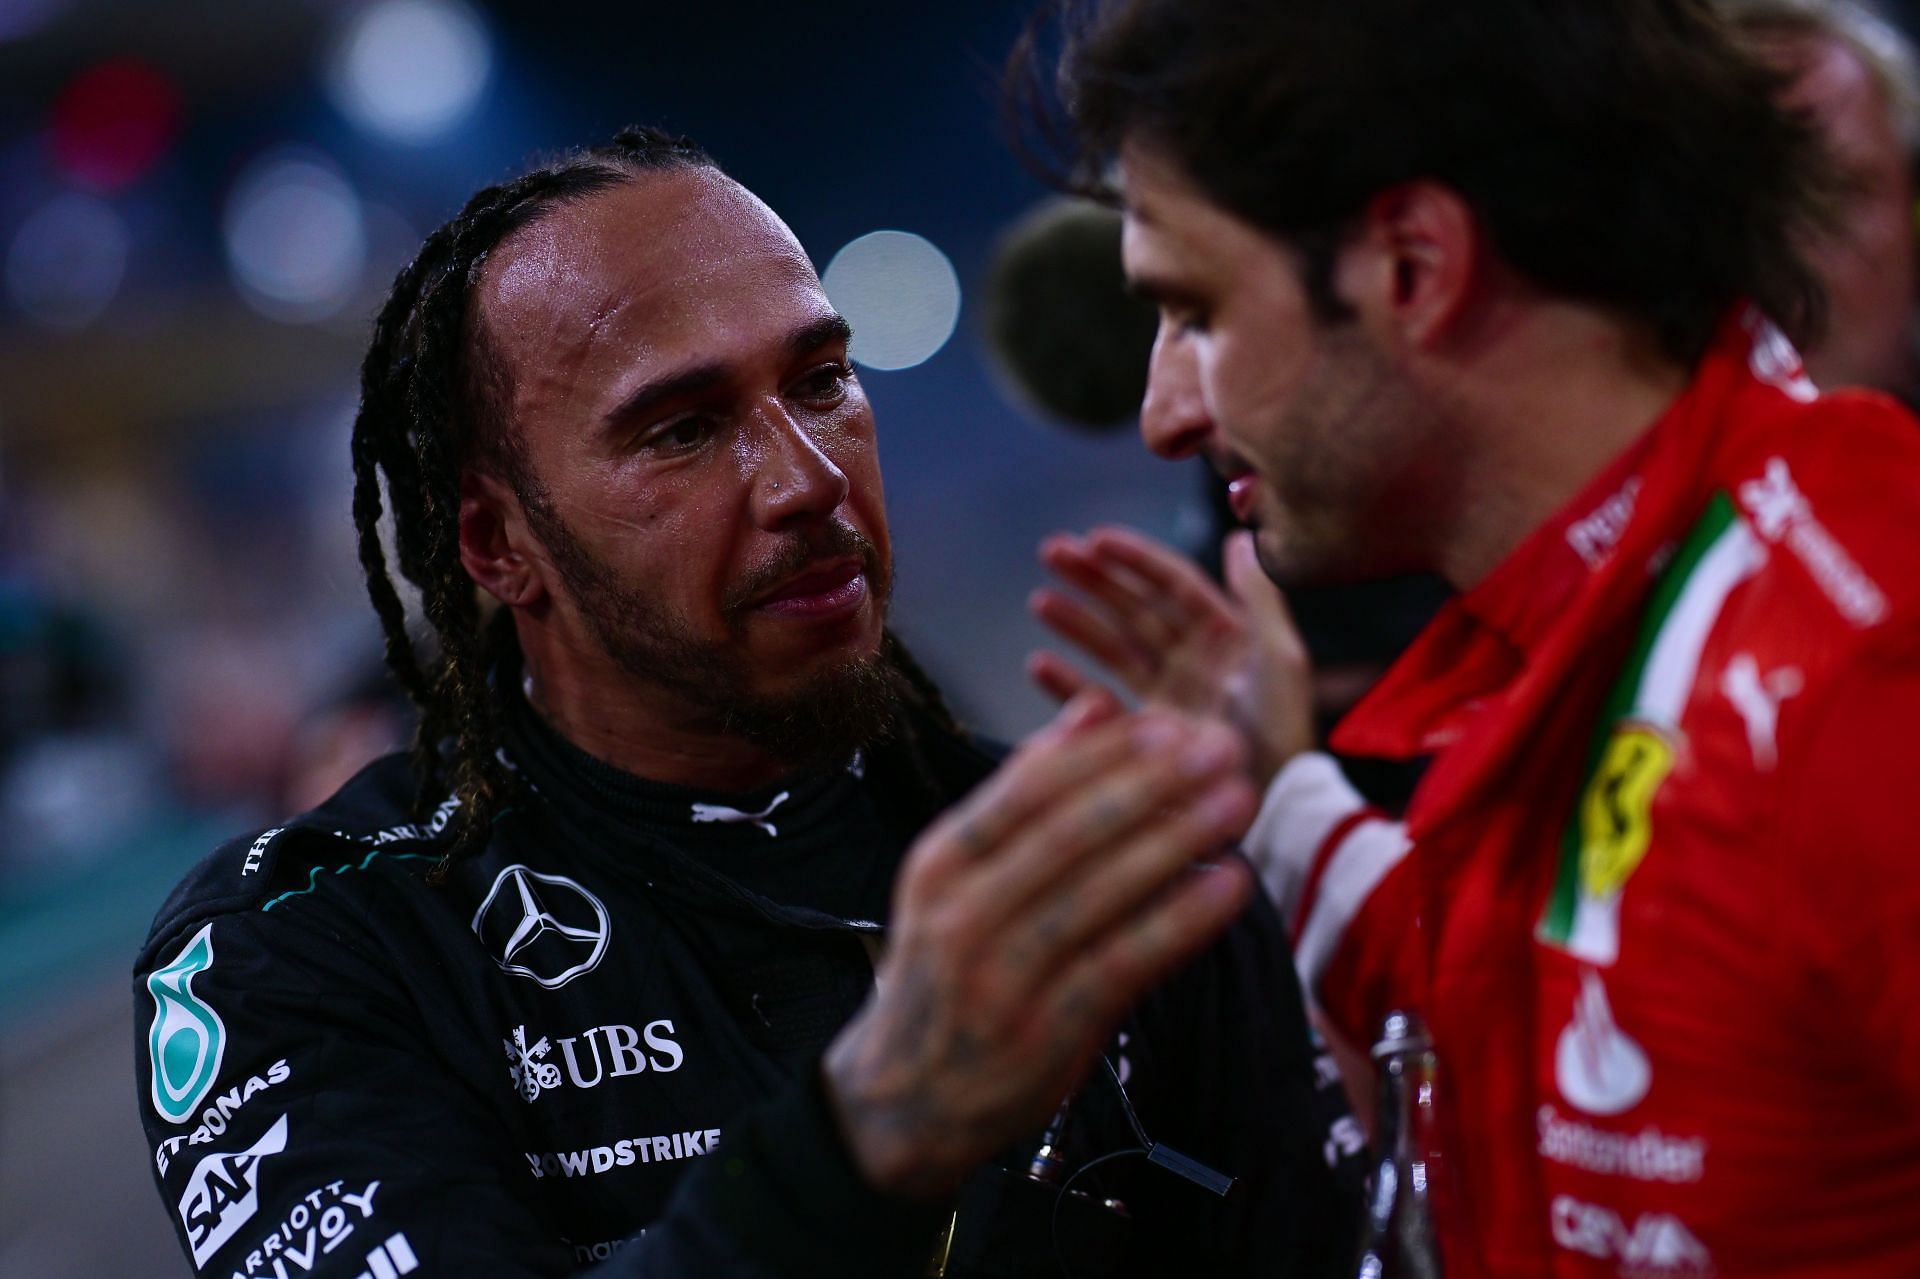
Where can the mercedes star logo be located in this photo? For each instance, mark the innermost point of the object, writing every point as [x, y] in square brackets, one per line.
[542, 926]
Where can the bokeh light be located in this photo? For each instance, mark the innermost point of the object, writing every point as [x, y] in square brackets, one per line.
[410, 70]
[296, 237]
[900, 293]
[20, 18]
[113, 123]
[67, 260]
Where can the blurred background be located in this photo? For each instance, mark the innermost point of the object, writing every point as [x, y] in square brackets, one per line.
[201, 204]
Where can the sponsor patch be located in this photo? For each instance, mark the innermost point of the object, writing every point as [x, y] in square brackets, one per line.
[259, 850]
[1598, 1066]
[224, 1192]
[393, 1257]
[544, 927]
[219, 1113]
[320, 1221]
[187, 1040]
[1616, 810]
[1657, 1246]
[1647, 1155]
[627, 1051]
[623, 1154]
[1782, 514]
[1594, 536]
[1757, 698]
[586, 1254]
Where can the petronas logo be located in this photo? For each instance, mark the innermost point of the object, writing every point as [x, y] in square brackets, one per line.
[188, 1038]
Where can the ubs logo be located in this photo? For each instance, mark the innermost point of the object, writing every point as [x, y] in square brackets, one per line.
[546, 927]
[533, 1074]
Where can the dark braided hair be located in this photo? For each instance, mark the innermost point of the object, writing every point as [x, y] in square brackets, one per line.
[432, 400]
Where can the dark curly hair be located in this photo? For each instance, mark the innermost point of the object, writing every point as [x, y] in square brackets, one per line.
[1626, 153]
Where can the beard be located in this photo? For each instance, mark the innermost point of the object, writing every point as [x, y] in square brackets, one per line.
[1351, 485]
[818, 724]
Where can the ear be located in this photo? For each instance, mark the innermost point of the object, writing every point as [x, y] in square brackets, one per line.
[495, 543]
[1421, 255]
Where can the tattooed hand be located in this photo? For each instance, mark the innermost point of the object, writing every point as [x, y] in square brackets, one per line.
[1026, 922]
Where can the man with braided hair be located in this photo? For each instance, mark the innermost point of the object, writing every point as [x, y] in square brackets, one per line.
[693, 936]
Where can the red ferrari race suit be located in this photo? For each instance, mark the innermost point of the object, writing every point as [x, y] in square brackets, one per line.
[1658, 897]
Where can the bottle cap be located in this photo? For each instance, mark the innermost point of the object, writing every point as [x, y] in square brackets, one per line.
[1401, 1032]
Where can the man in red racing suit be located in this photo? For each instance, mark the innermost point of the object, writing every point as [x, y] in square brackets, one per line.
[1660, 902]
[1654, 896]
[1465, 289]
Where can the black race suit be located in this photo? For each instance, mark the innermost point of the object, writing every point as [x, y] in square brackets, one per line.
[598, 1042]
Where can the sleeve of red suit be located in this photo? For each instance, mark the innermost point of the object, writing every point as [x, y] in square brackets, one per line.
[1336, 869]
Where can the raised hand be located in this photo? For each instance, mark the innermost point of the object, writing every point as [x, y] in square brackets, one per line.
[1165, 632]
[1026, 921]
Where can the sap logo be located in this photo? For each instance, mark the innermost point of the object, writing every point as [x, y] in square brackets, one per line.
[322, 1220]
[214, 1119]
[224, 1192]
[533, 1075]
[187, 1039]
[1657, 1245]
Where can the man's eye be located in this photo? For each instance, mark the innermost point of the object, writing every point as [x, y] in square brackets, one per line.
[828, 382]
[680, 435]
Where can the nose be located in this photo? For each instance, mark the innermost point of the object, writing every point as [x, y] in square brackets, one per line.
[795, 481]
[1173, 416]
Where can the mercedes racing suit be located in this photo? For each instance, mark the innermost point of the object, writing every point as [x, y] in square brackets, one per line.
[1658, 897]
[598, 1042]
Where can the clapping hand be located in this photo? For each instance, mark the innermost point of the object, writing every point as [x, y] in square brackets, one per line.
[1164, 631]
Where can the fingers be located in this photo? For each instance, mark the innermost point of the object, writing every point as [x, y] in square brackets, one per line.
[1150, 616]
[1095, 635]
[1103, 891]
[1106, 979]
[1120, 835]
[1057, 677]
[1256, 591]
[1056, 761]
[1138, 607]
[1166, 573]
[1084, 707]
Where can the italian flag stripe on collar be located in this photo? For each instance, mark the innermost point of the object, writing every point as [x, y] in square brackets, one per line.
[1633, 743]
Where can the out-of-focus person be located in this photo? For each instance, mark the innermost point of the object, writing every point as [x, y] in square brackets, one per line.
[1490, 289]
[1854, 72]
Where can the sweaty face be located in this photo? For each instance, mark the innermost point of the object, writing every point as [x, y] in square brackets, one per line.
[1305, 418]
[696, 458]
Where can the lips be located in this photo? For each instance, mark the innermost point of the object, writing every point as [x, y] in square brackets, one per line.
[828, 589]
[1242, 491]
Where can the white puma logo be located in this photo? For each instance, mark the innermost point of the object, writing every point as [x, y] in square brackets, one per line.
[1757, 697]
[721, 813]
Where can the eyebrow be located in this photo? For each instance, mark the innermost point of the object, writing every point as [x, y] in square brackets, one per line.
[1159, 292]
[701, 378]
